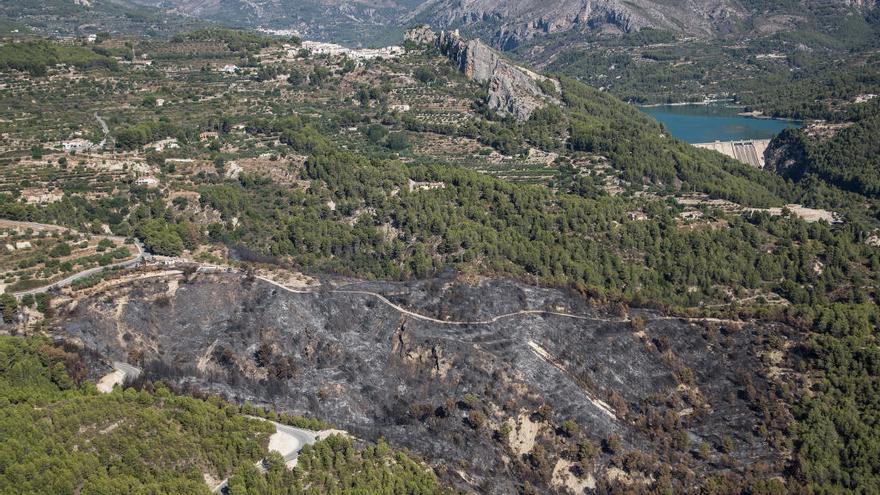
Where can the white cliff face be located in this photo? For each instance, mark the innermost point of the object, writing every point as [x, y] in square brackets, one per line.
[512, 90]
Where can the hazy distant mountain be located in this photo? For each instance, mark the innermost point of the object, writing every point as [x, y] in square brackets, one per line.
[355, 21]
[507, 23]
[81, 17]
[502, 23]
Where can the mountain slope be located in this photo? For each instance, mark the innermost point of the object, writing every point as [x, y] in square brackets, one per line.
[360, 22]
[508, 23]
[77, 18]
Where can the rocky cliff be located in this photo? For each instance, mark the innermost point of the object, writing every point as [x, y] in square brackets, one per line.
[557, 395]
[512, 89]
[506, 24]
[786, 154]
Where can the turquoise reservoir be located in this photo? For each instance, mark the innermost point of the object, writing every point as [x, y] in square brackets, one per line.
[708, 123]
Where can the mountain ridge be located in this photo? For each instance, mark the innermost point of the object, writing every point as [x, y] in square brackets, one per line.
[506, 24]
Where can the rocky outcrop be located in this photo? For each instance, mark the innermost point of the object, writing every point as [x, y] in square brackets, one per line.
[511, 89]
[505, 24]
[786, 154]
[421, 35]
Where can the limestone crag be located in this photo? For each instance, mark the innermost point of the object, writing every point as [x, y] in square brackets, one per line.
[507, 24]
[512, 90]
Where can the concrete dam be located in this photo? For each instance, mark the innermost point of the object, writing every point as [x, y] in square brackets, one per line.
[750, 152]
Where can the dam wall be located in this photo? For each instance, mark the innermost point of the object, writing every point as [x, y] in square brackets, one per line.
[750, 152]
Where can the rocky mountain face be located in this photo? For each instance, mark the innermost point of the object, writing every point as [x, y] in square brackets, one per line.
[500, 386]
[506, 24]
[358, 22]
[512, 89]
[786, 154]
[503, 24]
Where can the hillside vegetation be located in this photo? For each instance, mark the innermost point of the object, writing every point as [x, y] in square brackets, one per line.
[60, 436]
[812, 65]
[35, 56]
[397, 169]
[847, 158]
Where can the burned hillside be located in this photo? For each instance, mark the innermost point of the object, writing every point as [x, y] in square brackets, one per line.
[502, 387]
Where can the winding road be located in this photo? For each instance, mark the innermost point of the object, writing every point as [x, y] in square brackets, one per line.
[85, 273]
[489, 321]
[104, 128]
[422, 317]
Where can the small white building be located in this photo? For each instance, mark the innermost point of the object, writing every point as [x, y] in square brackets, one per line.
[77, 144]
[147, 181]
[162, 145]
[229, 69]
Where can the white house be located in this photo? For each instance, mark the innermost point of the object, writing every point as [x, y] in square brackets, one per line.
[147, 181]
[77, 144]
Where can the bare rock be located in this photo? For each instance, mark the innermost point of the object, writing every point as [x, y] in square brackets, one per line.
[512, 89]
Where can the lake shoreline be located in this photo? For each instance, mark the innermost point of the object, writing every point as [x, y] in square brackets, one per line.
[689, 103]
[714, 121]
[755, 114]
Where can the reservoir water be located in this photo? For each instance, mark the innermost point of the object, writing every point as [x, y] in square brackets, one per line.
[708, 123]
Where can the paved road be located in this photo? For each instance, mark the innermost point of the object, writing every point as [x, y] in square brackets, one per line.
[495, 319]
[32, 225]
[131, 372]
[287, 441]
[76, 276]
[122, 373]
[422, 317]
[300, 437]
[104, 128]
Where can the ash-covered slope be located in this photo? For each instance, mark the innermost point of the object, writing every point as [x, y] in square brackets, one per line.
[669, 401]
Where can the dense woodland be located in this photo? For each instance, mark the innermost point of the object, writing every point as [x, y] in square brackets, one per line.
[335, 465]
[35, 56]
[847, 159]
[61, 436]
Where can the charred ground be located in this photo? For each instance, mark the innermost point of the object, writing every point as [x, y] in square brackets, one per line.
[528, 402]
